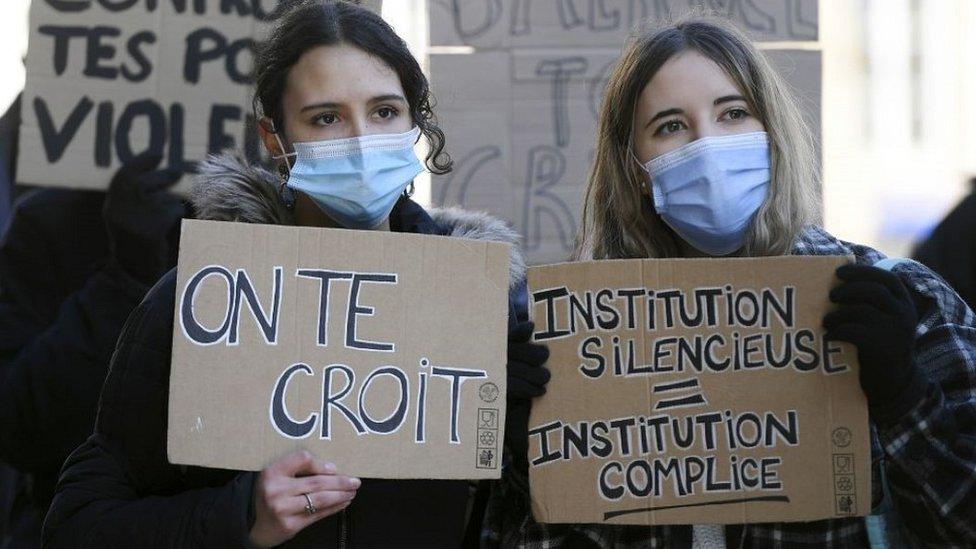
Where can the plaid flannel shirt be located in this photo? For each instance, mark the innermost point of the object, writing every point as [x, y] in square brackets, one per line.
[928, 455]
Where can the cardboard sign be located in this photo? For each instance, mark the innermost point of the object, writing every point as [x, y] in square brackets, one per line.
[521, 111]
[110, 79]
[695, 391]
[381, 352]
[491, 24]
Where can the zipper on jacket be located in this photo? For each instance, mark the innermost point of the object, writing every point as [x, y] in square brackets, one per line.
[343, 528]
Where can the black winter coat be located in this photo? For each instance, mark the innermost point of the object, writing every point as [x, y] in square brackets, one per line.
[62, 307]
[118, 489]
[950, 250]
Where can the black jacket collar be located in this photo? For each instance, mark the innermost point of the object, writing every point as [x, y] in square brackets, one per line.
[408, 217]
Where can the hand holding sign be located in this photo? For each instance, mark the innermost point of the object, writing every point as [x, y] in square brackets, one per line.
[877, 315]
[690, 386]
[280, 505]
[313, 332]
[527, 378]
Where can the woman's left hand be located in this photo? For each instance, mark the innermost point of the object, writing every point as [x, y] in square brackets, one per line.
[876, 314]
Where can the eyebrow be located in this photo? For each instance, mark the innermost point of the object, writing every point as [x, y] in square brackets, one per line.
[728, 98]
[377, 99]
[663, 114]
[669, 112]
[388, 97]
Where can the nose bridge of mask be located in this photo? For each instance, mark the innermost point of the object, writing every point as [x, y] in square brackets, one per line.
[358, 146]
[361, 156]
[708, 146]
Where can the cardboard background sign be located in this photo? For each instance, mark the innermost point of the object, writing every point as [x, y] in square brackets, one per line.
[695, 391]
[109, 80]
[381, 352]
[521, 110]
[493, 24]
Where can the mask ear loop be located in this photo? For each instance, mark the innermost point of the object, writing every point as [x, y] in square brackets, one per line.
[409, 190]
[630, 149]
[284, 171]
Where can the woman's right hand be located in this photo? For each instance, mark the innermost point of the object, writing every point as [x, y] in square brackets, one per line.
[279, 500]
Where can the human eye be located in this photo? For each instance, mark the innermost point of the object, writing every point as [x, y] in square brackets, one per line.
[326, 119]
[669, 127]
[736, 113]
[387, 112]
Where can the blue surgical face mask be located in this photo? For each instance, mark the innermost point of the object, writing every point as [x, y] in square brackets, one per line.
[709, 190]
[355, 181]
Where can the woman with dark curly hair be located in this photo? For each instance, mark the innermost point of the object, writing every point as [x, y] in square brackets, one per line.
[340, 103]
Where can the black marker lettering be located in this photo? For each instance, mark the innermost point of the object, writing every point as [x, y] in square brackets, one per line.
[550, 297]
[280, 418]
[325, 279]
[332, 399]
[56, 141]
[457, 377]
[356, 310]
[193, 329]
[395, 419]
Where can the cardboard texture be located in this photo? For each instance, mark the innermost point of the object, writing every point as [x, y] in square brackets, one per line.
[105, 85]
[287, 338]
[695, 391]
[491, 24]
[521, 110]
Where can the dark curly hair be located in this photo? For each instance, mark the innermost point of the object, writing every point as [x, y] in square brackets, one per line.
[306, 24]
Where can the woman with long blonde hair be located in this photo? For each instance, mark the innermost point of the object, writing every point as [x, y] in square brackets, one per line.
[702, 152]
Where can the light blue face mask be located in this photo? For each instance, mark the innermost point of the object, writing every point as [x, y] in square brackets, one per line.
[709, 190]
[356, 181]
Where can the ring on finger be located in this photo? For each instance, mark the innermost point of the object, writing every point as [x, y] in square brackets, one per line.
[310, 507]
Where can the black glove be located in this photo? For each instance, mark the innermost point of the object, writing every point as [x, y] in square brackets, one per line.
[140, 213]
[527, 378]
[877, 314]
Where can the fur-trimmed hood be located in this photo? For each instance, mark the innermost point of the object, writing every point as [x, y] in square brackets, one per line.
[228, 188]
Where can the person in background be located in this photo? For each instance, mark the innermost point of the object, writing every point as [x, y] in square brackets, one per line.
[342, 102]
[13, 483]
[73, 265]
[702, 152]
[950, 250]
[9, 125]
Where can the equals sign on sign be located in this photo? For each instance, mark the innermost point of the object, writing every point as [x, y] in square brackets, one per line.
[685, 386]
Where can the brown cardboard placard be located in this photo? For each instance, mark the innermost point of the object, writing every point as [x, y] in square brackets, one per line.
[492, 24]
[109, 80]
[693, 391]
[381, 352]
